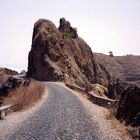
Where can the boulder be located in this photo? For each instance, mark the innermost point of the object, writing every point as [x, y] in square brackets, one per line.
[99, 90]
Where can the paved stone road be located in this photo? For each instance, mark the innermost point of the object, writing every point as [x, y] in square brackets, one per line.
[61, 117]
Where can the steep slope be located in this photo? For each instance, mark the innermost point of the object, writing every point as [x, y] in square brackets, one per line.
[126, 68]
[59, 54]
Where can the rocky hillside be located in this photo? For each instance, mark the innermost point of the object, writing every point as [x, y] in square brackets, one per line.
[59, 54]
[127, 88]
[126, 68]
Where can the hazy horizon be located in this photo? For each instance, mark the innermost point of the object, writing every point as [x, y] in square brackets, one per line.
[106, 25]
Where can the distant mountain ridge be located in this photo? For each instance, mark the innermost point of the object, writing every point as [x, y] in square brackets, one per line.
[126, 68]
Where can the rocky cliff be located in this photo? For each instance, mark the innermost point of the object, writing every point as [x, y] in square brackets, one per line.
[59, 54]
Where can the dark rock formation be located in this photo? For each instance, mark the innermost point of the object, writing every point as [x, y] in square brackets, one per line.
[59, 54]
[129, 106]
[136, 120]
[116, 88]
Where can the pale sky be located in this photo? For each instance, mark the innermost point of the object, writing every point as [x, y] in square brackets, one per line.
[106, 25]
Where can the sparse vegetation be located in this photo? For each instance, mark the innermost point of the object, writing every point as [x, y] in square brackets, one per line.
[25, 96]
[79, 82]
[68, 34]
[111, 54]
[128, 132]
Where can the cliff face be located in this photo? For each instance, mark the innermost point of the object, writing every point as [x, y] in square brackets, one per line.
[59, 54]
[129, 106]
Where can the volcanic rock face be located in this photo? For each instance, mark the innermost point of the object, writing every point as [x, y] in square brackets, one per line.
[59, 54]
[129, 105]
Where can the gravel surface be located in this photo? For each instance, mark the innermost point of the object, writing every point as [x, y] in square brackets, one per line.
[63, 115]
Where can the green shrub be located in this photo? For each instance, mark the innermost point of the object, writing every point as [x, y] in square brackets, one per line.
[79, 82]
[68, 34]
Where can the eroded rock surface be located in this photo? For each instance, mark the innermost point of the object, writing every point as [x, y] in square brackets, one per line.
[59, 54]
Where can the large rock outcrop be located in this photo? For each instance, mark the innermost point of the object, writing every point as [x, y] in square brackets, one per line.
[59, 54]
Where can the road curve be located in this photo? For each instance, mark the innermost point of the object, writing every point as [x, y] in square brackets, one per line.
[61, 117]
